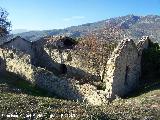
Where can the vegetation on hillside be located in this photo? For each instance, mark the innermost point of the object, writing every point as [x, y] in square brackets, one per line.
[132, 26]
[151, 62]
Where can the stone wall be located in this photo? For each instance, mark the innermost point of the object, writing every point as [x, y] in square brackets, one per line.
[121, 75]
[53, 58]
[21, 44]
[124, 68]
[79, 60]
[76, 65]
[143, 44]
[19, 63]
[69, 88]
[122, 72]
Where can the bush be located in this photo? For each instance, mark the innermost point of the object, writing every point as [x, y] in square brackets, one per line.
[151, 61]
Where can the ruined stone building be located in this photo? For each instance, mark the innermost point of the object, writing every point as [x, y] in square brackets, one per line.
[19, 43]
[42, 63]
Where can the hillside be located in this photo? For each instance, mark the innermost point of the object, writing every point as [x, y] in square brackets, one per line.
[20, 98]
[133, 26]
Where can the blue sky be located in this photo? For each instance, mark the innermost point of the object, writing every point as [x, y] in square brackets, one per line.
[54, 14]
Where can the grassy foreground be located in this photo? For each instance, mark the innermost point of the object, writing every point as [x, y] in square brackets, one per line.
[20, 100]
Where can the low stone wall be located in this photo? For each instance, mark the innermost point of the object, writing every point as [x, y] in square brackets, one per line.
[17, 62]
[69, 88]
[64, 88]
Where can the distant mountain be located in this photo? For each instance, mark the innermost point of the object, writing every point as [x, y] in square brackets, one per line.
[133, 26]
[16, 31]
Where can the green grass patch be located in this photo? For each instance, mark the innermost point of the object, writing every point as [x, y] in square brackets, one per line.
[15, 81]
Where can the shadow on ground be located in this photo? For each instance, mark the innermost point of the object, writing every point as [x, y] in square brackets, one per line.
[11, 83]
[145, 87]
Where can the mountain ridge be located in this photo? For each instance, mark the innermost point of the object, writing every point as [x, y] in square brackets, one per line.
[134, 26]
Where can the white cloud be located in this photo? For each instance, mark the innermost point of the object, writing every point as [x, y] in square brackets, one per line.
[74, 18]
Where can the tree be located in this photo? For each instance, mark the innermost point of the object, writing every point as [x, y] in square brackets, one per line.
[151, 61]
[5, 25]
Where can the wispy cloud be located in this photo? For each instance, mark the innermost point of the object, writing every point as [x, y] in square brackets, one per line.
[74, 18]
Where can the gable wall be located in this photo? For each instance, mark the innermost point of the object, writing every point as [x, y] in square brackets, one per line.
[19, 44]
[124, 68]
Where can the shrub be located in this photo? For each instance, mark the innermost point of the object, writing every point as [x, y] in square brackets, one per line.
[151, 61]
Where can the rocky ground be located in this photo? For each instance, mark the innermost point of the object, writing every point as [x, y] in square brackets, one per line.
[21, 99]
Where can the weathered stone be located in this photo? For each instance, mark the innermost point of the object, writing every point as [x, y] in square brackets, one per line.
[122, 72]
[19, 64]
[124, 68]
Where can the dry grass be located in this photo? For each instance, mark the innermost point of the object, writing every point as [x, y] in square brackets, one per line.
[142, 105]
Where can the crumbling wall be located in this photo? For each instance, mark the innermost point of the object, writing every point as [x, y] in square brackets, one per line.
[80, 60]
[69, 88]
[121, 75]
[124, 67]
[143, 44]
[76, 65]
[19, 64]
[19, 44]
[43, 59]
[22, 45]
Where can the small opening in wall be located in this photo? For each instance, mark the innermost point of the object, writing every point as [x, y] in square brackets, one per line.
[63, 69]
[126, 76]
[108, 90]
[11, 56]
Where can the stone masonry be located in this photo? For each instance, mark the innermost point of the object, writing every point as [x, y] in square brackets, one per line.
[19, 63]
[76, 65]
[121, 77]
[124, 68]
